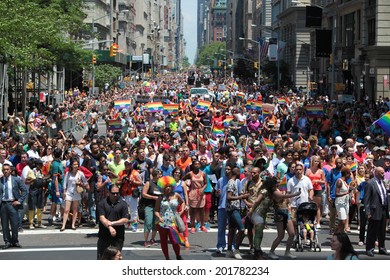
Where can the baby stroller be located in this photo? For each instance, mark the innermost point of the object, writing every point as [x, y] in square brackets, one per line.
[309, 210]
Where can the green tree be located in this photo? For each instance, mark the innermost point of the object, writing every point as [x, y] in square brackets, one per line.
[105, 73]
[36, 34]
[186, 62]
[211, 52]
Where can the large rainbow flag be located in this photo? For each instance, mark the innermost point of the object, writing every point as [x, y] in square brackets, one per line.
[203, 105]
[121, 104]
[114, 124]
[384, 122]
[269, 144]
[154, 107]
[171, 109]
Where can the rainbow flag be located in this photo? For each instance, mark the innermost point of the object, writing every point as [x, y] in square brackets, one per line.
[265, 115]
[227, 120]
[282, 100]
[179, 238]
[249, 104]
[121, 104]
[203, 105]
[222, 106]
[353, 166]
[213, 144]
[240, 95]
[114, 125]
[257, 105]
[283, 184]
[154, 107]
[314, 111]
[235, 86]
[171, 109]
[269, 144]
[384, 122]
[217, 131]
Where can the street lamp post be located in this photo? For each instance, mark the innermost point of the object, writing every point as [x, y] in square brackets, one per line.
[259, 57]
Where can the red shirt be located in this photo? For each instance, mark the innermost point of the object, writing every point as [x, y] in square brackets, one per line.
[19, 168]
[360, 158]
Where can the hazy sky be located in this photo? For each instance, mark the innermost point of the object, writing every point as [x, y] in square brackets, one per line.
[189, 10]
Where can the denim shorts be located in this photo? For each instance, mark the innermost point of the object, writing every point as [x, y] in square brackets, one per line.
[282, 215]
[235, 220]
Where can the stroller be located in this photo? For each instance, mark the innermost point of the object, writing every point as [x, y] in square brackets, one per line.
[309, 210]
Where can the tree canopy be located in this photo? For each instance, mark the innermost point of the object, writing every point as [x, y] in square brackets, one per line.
[37, 34]
[207, 54]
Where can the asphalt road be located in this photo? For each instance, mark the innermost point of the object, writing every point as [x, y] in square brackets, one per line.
[80, 244]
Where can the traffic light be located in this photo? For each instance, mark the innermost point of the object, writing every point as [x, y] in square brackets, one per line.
[255, 65]
[113, 49]
[94, 59]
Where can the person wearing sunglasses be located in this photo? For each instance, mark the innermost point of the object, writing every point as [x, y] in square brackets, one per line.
[113, 215]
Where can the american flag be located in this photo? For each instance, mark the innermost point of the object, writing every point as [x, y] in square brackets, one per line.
[264, 47]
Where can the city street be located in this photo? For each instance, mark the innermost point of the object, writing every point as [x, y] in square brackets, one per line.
[51, 244]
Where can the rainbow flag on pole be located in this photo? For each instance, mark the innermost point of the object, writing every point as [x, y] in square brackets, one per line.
[213, 144]
[283, 184]
[114, 125]
[269, 144]
[121, 104]
[240, 95]
[282, 100]
[235, 86]
[257, 105]
[384, 122]
[171, 109]
[154, 107]
[203, 105]
[353, 166]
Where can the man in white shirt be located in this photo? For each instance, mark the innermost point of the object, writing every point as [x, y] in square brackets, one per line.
[302, 183]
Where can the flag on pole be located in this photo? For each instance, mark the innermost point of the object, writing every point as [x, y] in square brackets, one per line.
[171, 109]
[264, 44]
[384, 122]
[314, 111]
[235, 86]
[353, 166]
[269, 144]
[227, 120]
[217, 131]
[283, 184]
[213, 144]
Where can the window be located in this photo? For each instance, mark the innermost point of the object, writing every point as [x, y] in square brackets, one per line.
[371, 26]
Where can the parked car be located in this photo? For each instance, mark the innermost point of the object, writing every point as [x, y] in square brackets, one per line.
[202, 93]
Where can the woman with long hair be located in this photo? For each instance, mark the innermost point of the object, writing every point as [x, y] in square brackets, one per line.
[72, 197]
[317, 178]
[182, 189]
[165, 210]
[342, 199]
[342, 247]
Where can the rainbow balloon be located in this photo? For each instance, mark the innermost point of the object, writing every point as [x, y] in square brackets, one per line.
[166, 181]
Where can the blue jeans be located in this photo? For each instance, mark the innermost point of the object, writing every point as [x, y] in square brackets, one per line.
[222, 222]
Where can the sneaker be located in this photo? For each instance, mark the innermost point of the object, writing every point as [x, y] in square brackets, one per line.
[288, 255]
[193, 230]
[307, 242]
[229, 254]
[327, 217]
[20, 229]
[204, 229]
[207, 226]
[41, 226]
[147, 244]
[272, 256]
[318, 226]
[134, 227]
[50, 221]
[361, 243]
[252, 251]
[219, 250]
[31, 226]
[237, 255]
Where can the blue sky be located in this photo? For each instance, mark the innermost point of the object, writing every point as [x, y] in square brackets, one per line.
[189, 10]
